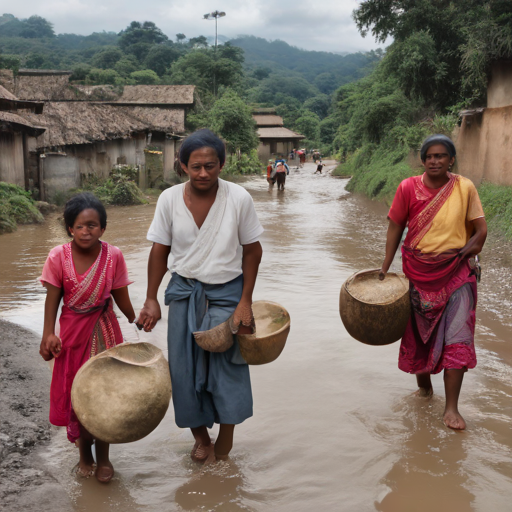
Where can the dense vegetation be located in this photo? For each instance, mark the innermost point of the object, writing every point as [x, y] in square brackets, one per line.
[256, 72]
[437, 65]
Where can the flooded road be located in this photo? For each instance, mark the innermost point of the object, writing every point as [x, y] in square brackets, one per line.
[335, 424]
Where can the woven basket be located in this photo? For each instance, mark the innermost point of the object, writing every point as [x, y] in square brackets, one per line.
[375, 312]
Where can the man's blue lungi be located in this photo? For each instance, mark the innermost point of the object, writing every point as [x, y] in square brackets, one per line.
[207, 387]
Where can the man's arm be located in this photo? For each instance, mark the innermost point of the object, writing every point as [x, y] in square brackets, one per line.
[251, 259]
[157, 268]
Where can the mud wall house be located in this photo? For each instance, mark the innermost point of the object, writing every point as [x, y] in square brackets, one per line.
[17, 136]
[275, 139]
[89, 129]
[484, 141]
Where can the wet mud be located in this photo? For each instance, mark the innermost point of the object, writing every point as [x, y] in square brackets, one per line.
[336, 425]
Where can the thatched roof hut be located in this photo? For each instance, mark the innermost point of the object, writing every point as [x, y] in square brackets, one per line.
[43, 85]
[9, 102]
[279, 132]
[8, 119]
[158, 119]
[160, 95]
[70, 123]
[268, 120]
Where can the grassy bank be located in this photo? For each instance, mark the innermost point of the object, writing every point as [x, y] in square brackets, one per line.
[16, 207]
[377, 173]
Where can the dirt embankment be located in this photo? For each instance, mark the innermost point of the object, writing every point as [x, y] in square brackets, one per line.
[25, 483]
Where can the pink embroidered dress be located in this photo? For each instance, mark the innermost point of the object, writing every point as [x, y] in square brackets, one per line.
[88, 324]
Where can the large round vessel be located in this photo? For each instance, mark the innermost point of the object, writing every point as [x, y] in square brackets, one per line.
[123, 393]
[375, 312]
[272, 328]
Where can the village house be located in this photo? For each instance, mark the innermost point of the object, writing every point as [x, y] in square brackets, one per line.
[87, 130]
[275, 139]
[484, 140]
[16, 132]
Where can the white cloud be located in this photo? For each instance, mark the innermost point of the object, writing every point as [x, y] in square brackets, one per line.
[325, 25]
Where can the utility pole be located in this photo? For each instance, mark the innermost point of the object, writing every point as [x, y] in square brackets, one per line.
[215, 15]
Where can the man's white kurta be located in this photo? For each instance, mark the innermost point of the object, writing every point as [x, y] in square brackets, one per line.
[174, 226]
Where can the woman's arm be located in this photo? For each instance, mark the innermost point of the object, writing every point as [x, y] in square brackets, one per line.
[394, 236]
[122, 298]
[50, 344]
[157, 268]
[476, 242]
[251, 259]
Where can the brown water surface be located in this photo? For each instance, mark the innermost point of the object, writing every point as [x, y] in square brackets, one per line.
[336, 426]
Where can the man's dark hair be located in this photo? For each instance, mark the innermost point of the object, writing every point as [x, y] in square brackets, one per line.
[78, 204]
[202, 139]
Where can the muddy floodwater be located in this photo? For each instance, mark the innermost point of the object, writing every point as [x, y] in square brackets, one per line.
[336, 426]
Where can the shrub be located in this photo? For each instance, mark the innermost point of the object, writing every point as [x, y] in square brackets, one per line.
[243, 164]
[16, 207]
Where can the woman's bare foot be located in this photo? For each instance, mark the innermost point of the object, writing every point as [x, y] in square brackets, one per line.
[104, 473]
[453, 419]
[424, 392]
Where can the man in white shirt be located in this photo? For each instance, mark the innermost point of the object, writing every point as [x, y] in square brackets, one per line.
[210, 229]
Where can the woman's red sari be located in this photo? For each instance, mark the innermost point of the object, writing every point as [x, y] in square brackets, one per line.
[434, 278]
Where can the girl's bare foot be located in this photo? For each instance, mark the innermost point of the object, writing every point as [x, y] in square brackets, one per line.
[86, 464]
[453, 419]
[105, 472]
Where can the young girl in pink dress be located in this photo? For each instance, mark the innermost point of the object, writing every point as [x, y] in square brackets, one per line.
[86, 274]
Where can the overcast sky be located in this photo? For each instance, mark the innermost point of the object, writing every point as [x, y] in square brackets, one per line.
[325, 25]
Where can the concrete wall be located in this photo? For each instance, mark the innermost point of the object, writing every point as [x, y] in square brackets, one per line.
[60, 173]
[169, 150]
[12, 169]
[499, 89]
[484, 146]
[271, 149]
[64, 171]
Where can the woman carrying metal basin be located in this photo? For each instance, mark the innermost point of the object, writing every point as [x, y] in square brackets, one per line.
[446, 231]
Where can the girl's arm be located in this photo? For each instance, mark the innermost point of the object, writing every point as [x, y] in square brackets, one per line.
[157, 268]
[122, 298]
[50, 344]
[394, 236]
[251, 259]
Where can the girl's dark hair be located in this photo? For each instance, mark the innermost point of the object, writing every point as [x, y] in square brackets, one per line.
[437, 139]
[202, 139]
[79, 203]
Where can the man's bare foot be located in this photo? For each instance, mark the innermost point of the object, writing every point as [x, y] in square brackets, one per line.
[104, 473]
[210, 456]
[200, 451]
[424, 392]
[452, 419]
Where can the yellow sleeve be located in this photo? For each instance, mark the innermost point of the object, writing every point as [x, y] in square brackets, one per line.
[475, 209]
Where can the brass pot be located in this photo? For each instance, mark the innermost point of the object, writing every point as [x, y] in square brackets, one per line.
[272, 328]
[122, 394]
[375, 312]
